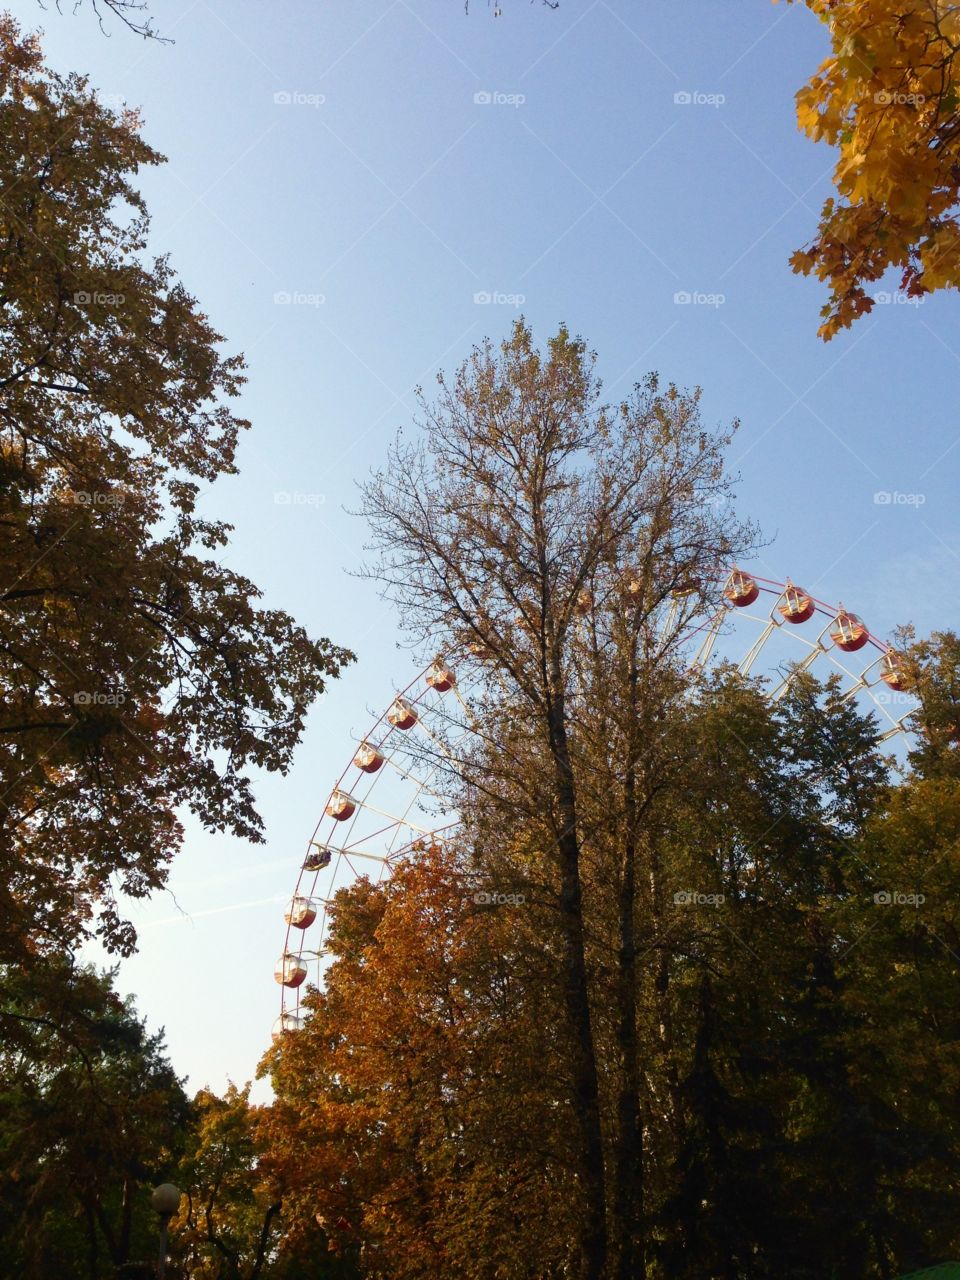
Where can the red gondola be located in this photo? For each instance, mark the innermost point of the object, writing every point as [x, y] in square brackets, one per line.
[440, 677]
[848, 631]
[741, 589]
[300, 912]
[401, 714]
[341, 805]
[291, 970]
[796, 605]
[368, 758]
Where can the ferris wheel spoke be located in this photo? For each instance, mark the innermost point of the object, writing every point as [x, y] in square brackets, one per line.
[404, 821]
[393, 857]
[861, 686]
[382, 813]
[669, 626]
[746, 664]
[864, 682]
[710, 639]
[796, 671]
[898, 727]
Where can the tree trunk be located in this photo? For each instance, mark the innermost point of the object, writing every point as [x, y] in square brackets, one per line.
[628, 1165]
[93, 1251]
[586, 1093]
[628, 1169]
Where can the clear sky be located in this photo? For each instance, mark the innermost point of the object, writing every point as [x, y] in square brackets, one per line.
[338, 155]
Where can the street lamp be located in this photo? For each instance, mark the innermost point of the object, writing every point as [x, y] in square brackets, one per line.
[166, 1202]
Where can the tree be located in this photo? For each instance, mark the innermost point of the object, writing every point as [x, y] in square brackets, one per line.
[564, 543]
[888, 98]
[798, 1073]
[227, 1225]
[692, 859]
[139, 674]
[416, 1116]
[93, 1116]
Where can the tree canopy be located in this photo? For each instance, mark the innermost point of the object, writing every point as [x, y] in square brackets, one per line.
[140, 675]
[93, 1116]
[797, 935]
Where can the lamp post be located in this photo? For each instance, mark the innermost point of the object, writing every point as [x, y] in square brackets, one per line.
[166, 1202]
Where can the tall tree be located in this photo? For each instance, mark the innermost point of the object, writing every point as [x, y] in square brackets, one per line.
[139, 674]
[531, 513]
[228, 1221]
[691, 856]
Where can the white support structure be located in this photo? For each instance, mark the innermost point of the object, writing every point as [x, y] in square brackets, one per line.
[816, 648]
[753, 653]
[709, 640]
[862, 680]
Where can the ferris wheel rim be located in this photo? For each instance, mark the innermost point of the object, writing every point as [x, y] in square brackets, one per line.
[771, 586]
[416, 693]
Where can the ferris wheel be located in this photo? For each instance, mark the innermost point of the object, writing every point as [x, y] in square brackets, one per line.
[391, 795]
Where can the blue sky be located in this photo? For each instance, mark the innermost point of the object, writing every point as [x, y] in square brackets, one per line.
[339, 156]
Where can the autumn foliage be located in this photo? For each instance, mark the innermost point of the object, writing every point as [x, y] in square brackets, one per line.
[790, 997]
[415, 1117]
[888, 97]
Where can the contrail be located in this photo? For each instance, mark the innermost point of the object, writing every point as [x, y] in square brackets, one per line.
[188, 917]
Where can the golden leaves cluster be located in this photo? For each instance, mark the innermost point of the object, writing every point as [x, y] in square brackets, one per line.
[887, 97]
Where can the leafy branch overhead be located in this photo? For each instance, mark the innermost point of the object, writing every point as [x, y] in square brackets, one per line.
[887, 98]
